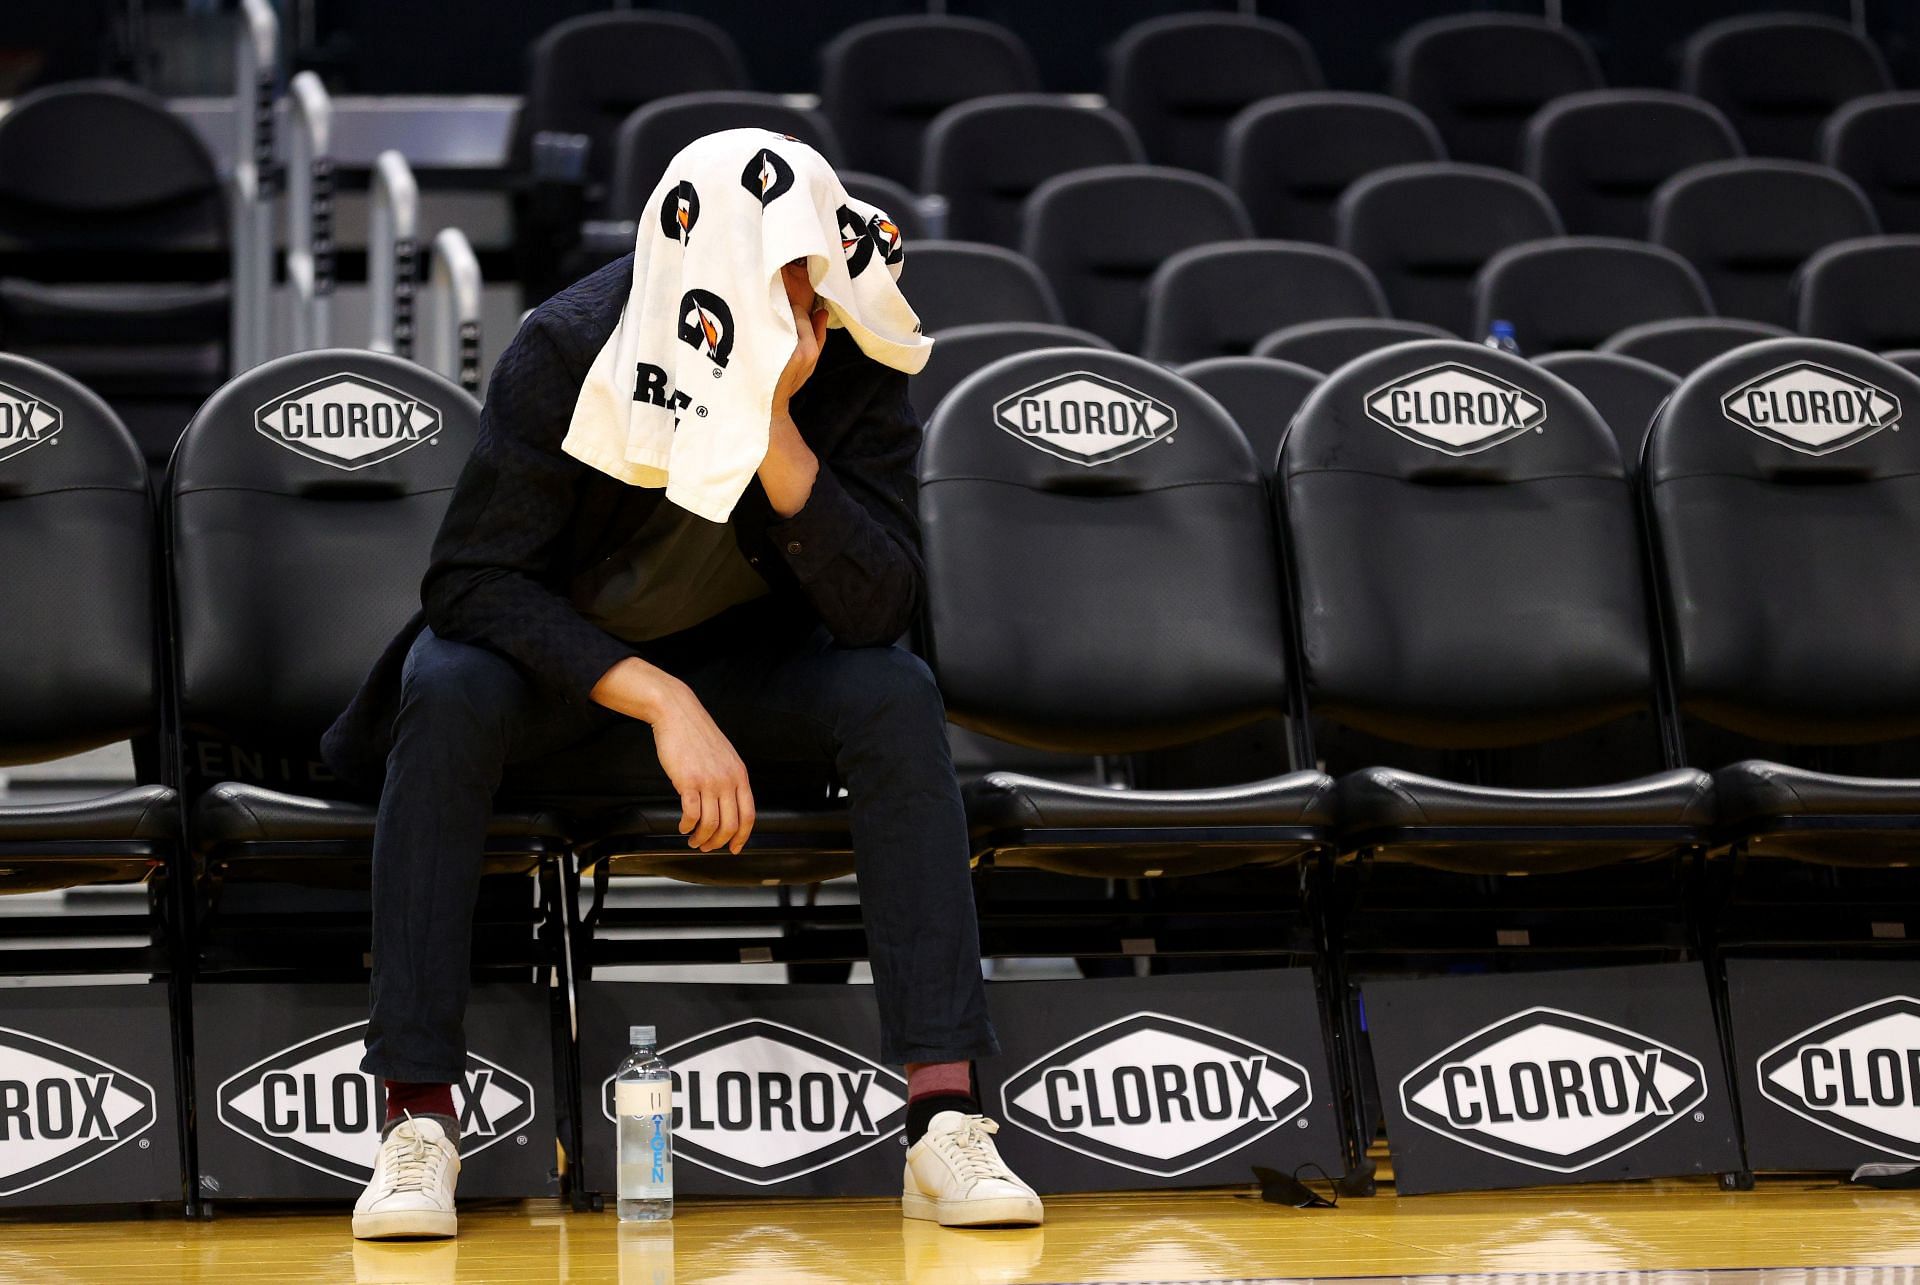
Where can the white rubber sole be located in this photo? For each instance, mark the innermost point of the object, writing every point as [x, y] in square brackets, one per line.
[1008, 1211]
[405, 1224]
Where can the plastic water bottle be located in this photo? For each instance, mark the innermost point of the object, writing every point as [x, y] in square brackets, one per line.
[643, 1109]
[1500, 335]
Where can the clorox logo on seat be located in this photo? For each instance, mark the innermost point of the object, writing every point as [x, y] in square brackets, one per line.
[1857, 1075]
[1156, 1094]
[347, 421]
[1086, 418]
[763, 1102]
[313, 1104]
[1553, 1089]
[61, 1109]
[1811, 408]
[25, 421]
[1455, 409]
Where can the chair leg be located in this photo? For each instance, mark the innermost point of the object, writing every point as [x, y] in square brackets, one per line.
[1340, 1019]
[560, 876]
[1706, 893]
[176, 915]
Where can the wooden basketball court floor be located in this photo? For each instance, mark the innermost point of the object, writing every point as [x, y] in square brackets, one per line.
[1668, 1233]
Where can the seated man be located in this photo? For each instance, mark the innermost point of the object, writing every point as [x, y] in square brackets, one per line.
[583, 631]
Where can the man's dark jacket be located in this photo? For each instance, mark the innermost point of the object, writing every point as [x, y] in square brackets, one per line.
[530, 530]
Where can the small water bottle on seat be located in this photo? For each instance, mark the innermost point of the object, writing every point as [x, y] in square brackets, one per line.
[643, 1112]
[1500, 335]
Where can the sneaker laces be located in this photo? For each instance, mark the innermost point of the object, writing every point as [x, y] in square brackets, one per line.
[409, 1163]
[971, 1148]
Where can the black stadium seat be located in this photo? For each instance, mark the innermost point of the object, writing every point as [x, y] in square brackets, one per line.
[1003, 474]
[1870, 140]
[1599, 156]
[1864, 292]
[1181, 78]
[1425, 230]
[1784, 508]
[965, 283]
[1749, 225]
[1625, 390]
[1328, 345]
[1099, 234]
[985, 156]
[1220, 300]
[656, 132]
[958, 351]
[883, 82]
[1907, 359]
[1779, 76]
[1680, 344]
[1467, 572]
[1261, 393]
[1574, 292]
[1479, 76]
[1289, 158]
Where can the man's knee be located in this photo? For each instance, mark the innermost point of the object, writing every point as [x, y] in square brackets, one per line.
[890, 692]
[456, 686]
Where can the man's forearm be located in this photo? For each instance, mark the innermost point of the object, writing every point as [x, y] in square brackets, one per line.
[638, 689]
[789, 469]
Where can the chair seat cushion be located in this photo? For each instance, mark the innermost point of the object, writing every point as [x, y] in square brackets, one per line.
[143, 813]
[231, 812]
[788, 846]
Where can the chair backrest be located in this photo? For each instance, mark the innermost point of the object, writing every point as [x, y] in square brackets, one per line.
[964, 283]
[1289, 158]
[1467, 569]
[1181, 78]
[1779, 76]
[958, 351]
[655, 132]
[883, 82]
[1907, 359]
[1864, 292]
[1575, 292]
[1329, 345]
[1221, 300]
[1083, 513]
[1785, 509]
[1099, 234]
[1261, 393]
[1425, 231]
[1749, 225]
[1870, 140]
[302, 502]
[1599, 156]
[987, 155]
[1682, 344]
[1479, 76]
[585, 79]
[77, 590]
[1625, 390]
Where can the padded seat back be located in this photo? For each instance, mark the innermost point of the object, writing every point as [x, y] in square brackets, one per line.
[1785, 511]
[987, 155]
[1778, 77]
[302, 504]
[1870, 140]
[1625, 390]
[1181, 78]
[1329, 345]
[77, 589]
[965, 283]
[1600, 156]
[1220, 300]
[1099, 234]
[961, 350]
[1261, 393]
[1479, 76]
[655, 132]
[1466, 563]
[1574, 292]
[1289, 158]
[1682, 344]
[1426, 230]
[1864, 292]
[1749, 225]
[1088, 519]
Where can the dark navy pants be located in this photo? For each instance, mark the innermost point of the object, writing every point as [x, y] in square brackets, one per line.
[471, 727]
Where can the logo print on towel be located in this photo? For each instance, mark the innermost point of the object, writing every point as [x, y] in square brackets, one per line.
[706, 323]
[766, 175]
[856, 241]
[679, 212]
[885, 234]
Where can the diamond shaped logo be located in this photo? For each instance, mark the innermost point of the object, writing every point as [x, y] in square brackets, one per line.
[347, 421]
[1156, 1094]
[61, 1109]
[1455, 409]
[1086, 418]
[762, 1102]
[25, 421]
[1856, 1074]
[1811, 408]
[1554, 1090]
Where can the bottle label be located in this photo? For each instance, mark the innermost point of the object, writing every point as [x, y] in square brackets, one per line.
[644, 1097]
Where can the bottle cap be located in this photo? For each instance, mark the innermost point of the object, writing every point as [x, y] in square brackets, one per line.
[641, 1036]
[1503, 328]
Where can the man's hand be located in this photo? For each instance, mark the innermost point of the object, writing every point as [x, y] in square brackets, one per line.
[716, 803]
[790, 466]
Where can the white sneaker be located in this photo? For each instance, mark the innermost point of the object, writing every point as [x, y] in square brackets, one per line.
[955, 1177]
[412, 1189]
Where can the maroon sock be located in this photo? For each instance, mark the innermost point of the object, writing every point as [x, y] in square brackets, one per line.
[404, 1098]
